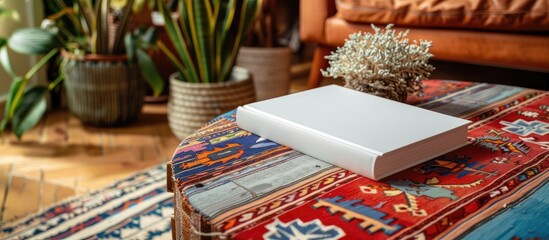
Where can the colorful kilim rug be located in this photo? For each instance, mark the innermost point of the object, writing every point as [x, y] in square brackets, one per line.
[233, 184]
[135, 208]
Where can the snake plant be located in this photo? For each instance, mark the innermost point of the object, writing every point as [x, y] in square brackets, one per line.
[207, 35]
[80, 29]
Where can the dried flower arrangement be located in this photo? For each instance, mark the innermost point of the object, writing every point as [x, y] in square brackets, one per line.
[384, 63]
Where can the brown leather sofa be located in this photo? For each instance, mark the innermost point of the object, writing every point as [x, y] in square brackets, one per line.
[504, 33]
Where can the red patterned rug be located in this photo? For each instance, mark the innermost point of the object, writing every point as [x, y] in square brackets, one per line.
[234, 184]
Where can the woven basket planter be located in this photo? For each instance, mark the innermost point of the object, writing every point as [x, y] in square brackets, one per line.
[191, 105]
[103, 91]
[270, 68]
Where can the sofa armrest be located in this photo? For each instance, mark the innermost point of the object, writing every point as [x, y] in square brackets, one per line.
[313, 15]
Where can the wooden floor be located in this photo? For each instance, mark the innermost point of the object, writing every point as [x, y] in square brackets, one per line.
[73, 159]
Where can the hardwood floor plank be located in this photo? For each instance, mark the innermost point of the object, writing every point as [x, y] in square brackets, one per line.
[55, 128]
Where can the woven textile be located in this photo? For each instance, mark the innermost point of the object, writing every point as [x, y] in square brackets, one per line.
[233, 184]
[135, 208]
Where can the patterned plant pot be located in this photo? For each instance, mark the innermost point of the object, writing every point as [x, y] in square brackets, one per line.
[103, 90]
[191, 105]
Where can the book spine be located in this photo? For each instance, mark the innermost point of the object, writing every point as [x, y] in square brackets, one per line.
[295, 136]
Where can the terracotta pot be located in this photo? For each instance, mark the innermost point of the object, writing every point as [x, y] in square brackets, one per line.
[191, 105]
[103, 90]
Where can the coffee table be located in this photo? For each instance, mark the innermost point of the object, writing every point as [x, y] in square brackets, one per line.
[231, 184]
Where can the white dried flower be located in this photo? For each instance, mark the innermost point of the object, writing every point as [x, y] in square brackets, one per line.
[383, 63]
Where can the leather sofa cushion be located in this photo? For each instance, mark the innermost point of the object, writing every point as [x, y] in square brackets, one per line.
[499, 15]
[518, 50]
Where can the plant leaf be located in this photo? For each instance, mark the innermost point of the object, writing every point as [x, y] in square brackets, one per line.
[30, 111]
[129, 42]
[174, 32]
[173, 58]
[122, 27]
[3, 126]
[226, 43]
[249, 10]
[72, 17]
[100, 29]
[149, 72]
[197, 42]
[32, 41]
[5, 61]
[203, 44]
[148, 35]
[18, 85]
[184, 23]
[225, 12]
[14, 88]
[87, 13]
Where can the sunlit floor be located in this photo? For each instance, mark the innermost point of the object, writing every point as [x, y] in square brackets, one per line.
[61, 157]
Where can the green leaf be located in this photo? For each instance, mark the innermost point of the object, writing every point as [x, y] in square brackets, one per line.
[3, 125]
[207, 35]
[176, 37]
[148, 35]
[225, 15]
[100, 28]
[177, 63]
[43, 61]
[17, 88]
[122, 27]
[74, 20]
[30, 111]
[14, 88]
[5, 62]
[184, 23]
[56, 82]
[248, 11]
[86, 9]
[129, 42]
[33, 41]
[149, 72]
[200, 28]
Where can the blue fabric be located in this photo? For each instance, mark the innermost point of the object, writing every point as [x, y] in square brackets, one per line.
[527, 219]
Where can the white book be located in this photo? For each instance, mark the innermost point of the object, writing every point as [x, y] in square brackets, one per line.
[372, 136]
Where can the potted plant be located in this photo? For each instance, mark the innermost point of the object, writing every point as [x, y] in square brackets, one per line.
[268, 61]
[206, 36]
[103, 65]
